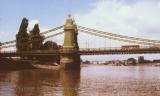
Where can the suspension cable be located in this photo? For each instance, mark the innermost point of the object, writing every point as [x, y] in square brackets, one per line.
[54, 29]
[9, 42]
[120, 36]
[53, 35]
[115, 38]
[7, 46]
[42, 33]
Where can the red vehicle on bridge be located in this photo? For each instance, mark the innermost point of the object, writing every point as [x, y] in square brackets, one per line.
[130, 46]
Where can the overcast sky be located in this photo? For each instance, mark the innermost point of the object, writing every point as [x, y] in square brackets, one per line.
[139, 18]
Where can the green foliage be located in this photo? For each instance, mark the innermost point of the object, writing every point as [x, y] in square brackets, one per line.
[35, 30]
[22, 37]
[23, 27]
[0, 45]
[132, 60]
[50, 45]
[36, 38]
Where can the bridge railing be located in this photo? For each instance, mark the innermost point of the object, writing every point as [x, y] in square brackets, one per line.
[29, 52]
[96, 49]
[119, 48]
[83, 50]
[8, 51]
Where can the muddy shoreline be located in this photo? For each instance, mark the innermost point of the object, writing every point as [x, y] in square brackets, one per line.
[11, 64]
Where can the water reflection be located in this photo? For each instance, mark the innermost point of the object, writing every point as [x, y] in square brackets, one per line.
[70, 81]
[90, 81]
[28, 82]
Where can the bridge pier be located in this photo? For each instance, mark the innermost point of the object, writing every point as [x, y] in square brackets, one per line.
[70, 58]
[70, 61]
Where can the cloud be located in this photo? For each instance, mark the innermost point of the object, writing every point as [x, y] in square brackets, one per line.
[32, 23]
[35, 21]
[138, 19]
[58, 39]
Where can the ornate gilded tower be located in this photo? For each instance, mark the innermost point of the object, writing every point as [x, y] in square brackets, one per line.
[70, 59]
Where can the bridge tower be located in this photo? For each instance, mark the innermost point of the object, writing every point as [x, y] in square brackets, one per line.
[70, 59]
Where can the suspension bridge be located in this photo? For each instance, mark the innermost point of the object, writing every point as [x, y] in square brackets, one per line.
[70, 52]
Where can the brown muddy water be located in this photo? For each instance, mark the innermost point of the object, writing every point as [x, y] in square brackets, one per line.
[92, 80]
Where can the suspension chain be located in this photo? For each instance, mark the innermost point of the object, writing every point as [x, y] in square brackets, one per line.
[115, 38]
[54, 29]
[42, 33]
[53, 35]
[120, 36]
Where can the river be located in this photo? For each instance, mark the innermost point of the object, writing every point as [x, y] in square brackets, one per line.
[91, 80]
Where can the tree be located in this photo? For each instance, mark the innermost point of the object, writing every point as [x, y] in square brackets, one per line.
[132, 60]
[0, 45]
[50, 45]
[22, 38]
[36, 38]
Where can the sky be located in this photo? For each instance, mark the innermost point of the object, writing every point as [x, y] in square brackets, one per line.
[138, 18]
[49, 13]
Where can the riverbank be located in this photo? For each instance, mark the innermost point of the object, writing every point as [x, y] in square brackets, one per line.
[138, 64]
[123, 64]
[17, 64]
[11, 64]
[50, 67]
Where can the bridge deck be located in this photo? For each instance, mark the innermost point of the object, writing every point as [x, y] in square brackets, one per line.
[103, 51]
[83, 51]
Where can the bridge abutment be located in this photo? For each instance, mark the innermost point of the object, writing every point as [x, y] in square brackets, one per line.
[70, 58]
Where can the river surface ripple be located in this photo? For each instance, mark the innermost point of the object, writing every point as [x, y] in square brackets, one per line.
[92, 80]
